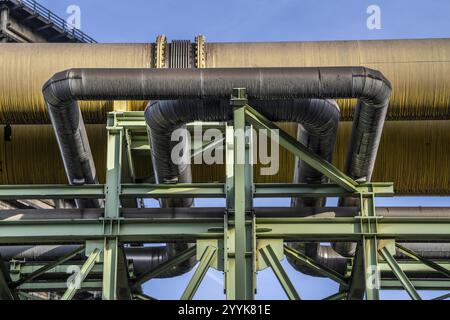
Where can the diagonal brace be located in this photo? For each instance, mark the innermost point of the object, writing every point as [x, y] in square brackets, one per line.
[271, 260]
[48, 267]
[426, 262]
[315, 266]
[398, 272]
[81, 276]
[183, 256]
[301, 151]
[200, 273]
[337, 296]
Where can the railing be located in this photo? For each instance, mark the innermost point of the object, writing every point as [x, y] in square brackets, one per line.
[54, 19]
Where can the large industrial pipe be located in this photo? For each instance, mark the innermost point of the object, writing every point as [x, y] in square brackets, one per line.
[65, 88]
[417, 68]
[143, 258]
[319, 117]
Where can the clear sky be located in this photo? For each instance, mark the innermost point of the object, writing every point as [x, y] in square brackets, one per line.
[261, 20]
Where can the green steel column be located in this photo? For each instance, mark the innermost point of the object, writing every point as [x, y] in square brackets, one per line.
[244, 277]
[229, 230]
[112, 204]
[369, 247]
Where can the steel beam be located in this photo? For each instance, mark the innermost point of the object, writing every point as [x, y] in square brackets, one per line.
[315, 266]
[284, 190]
[271, 260]
[199, 274]
[51, 192]
[48, 267]
[112, 205]
[399, 274]
[85, 269]
[430, 284]
[357, 279]
[301, 151]
[58, 286]
[429, 263]
[369, 244]
[197, 190]
[161, 268]
[6, 292]
[442, 297]
[337, 296]
[243, 200]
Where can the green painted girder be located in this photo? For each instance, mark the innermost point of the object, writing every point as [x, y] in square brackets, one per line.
[337, 296]
[301, 151]
[271, 259]
[141, 296]
[329, 229]
[164, 229]
[431, 264]
[416, 267]
[197, 190]
[133, 120]
[313, 265]
[284, 190]
[128, 230]
[399, 274]
[51, 191]
[167, 265]
[81, 276]
[199, 274]
[442, 297]
[27, 296]
[45, 268]
[419, 284]
[59, 286]
[26, 268]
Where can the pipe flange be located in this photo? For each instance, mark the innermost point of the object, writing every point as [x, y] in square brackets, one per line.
[200, 52]
[160, 52]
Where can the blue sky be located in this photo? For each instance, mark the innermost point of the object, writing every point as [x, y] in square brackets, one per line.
[261, 20]
[257, 20]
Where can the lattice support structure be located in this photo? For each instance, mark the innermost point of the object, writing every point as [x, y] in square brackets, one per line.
[239, 242]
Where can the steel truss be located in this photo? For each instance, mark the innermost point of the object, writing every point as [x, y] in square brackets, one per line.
[239, 242]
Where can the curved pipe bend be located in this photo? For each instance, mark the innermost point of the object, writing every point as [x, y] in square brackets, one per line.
[317, 118]
[63, 90]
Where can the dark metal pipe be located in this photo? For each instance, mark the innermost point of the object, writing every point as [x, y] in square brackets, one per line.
[217, 213]
[64, 89]
[319, 117]
[143, 258]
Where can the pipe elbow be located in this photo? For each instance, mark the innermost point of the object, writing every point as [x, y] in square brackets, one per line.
[57, 90]
[375, 88]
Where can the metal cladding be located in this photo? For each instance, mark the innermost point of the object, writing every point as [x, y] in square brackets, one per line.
[24, 68]
[417, 68]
